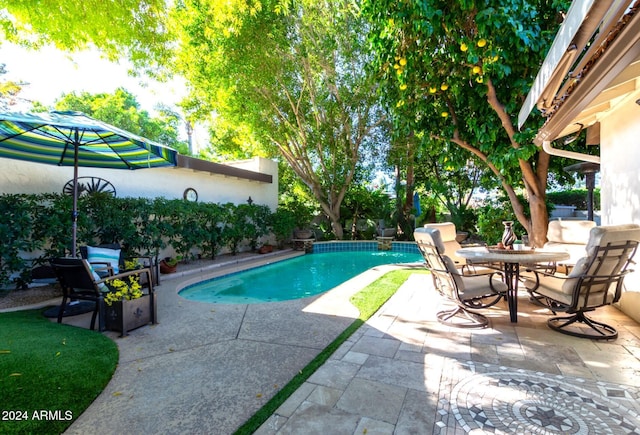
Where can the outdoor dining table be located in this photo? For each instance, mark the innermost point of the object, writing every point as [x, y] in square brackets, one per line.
[510, 260]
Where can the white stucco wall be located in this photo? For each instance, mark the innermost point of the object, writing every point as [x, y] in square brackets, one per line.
[25, 177]
[620, 183]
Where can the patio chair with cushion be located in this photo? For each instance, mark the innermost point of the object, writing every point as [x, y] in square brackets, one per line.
[468, 292]
[449, 236]
[80, 282]
[596, 280]
[569, 236]
[110, 258]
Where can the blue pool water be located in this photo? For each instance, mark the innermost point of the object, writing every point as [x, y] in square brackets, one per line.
[296, 278]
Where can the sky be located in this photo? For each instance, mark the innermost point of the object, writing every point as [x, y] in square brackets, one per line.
[51, 73]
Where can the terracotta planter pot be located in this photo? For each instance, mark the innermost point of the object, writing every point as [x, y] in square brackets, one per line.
[166, 268]
[265, 249]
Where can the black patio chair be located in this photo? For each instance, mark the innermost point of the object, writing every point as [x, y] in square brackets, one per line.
[80, 282]
[103, 266]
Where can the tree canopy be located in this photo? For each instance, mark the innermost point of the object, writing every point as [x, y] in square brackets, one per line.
[318, 83]
[294, 72]
[135, 29]
[122, 110]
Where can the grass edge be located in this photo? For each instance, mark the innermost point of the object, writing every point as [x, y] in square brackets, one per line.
[269, 408]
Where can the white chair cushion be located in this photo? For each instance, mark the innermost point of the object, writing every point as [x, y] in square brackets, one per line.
[448, 235]
[573, 232]
[477, 286]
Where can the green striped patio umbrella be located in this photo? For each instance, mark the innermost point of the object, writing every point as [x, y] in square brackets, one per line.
[75, 139]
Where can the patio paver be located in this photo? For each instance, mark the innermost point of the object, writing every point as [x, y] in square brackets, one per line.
[208, 368]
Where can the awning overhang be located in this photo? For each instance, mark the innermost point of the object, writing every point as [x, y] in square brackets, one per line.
[605, 76]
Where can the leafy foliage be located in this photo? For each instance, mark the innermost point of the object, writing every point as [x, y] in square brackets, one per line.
[123, 110]
[38, 226]
[490, 218]
[451, 178]
[293, 74]
[135, 28]
[575, 197]
[457, 73]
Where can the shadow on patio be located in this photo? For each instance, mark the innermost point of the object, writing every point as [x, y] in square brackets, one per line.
[209, 368]
[403, 372]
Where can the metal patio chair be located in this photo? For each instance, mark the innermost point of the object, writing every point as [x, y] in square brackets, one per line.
[596, 280]
[467, 291]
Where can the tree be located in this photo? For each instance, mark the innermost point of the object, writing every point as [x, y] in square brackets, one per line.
[294, 72]
[132, 28]
[459, 71]
[9, 90]
[451, 177]
[122, 110]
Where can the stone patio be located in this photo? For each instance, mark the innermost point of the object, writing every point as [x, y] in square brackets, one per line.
[208, 368]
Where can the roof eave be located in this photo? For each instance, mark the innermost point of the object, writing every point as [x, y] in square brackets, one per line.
[220, 169]
[621, 53]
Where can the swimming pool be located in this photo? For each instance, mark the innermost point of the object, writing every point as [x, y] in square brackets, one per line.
[299, 277]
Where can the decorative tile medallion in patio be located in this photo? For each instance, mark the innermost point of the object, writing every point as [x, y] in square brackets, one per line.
[506, 400]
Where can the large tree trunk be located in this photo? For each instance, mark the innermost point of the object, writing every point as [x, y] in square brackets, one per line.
[539, 221]
[535, 181]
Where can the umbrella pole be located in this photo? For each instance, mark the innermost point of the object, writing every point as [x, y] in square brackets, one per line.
[74, 212]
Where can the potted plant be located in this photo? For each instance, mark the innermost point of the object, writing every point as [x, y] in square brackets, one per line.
[301, 215]
[168, 265]
[127, 307]
[265, 249]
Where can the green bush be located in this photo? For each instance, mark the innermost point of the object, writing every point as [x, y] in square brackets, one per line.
[490, 218]
[283, 222]
[575, 197]
[143, 227]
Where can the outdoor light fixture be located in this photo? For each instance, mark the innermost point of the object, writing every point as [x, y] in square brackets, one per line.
[571, 139]
[250, 201]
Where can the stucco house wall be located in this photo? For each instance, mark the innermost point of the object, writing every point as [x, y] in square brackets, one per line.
[620, 183]
[24, 177]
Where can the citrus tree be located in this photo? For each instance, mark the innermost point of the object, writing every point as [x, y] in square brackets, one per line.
[457, 72]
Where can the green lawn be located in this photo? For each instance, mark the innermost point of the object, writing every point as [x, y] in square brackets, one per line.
[49, 373]
[368, 301]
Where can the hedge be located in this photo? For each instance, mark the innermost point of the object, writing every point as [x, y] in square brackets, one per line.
[34, 228]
